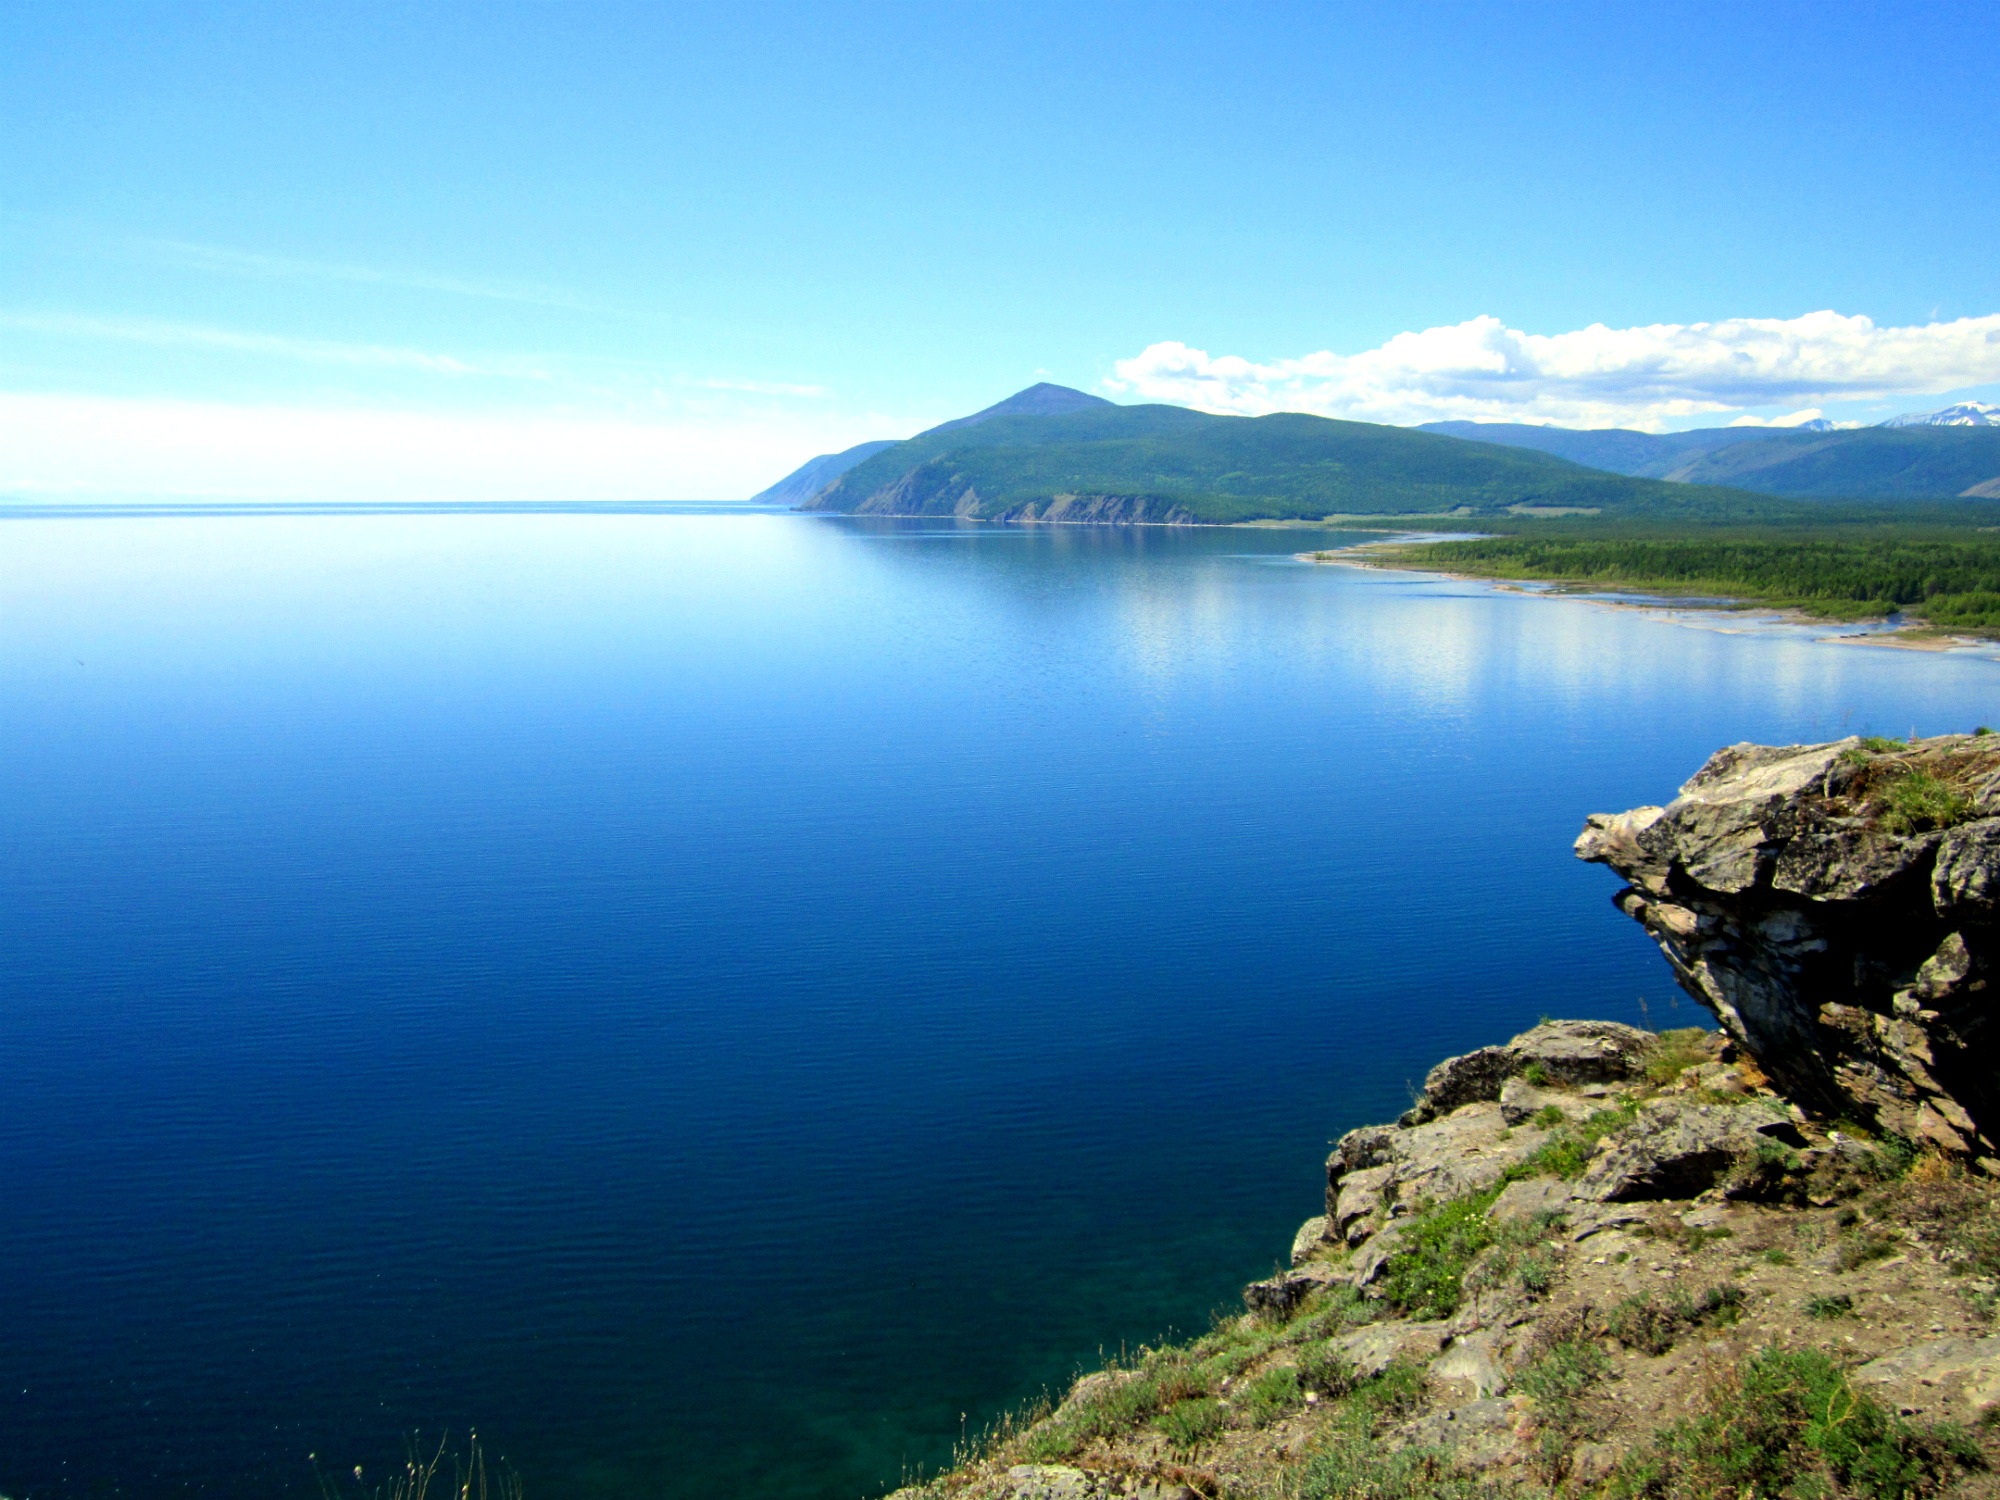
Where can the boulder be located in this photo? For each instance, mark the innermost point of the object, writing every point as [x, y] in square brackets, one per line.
[1966, 1371]
[1675, 1149]
[1841, 941]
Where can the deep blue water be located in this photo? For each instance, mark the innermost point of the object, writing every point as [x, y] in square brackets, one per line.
[710, 999]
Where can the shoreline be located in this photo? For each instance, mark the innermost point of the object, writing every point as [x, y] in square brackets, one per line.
[1908, 637]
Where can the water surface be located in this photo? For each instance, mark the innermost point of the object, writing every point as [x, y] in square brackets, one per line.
[716, 1000]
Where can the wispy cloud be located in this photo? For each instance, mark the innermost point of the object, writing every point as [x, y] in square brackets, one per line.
[1596, 376]
[223, 261]
[318, 351]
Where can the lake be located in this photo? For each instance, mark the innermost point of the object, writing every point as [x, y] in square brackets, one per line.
[722, 1001]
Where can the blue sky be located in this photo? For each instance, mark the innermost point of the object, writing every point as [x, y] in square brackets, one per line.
[593, 250]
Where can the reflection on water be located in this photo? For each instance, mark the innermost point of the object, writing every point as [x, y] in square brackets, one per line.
[711, 998]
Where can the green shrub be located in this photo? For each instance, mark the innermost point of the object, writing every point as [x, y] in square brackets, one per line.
[1564, 1363]
[1775, 1257]
[1858, 1249]
[1548, 1117]
[1787, 1421]
[1823, 1305]
[1269, 1396]
[1425, 1278]
[1351, 1465]
[1325, 1369]
[1538, 1075]
[1189, 1424]
[1918, 800]
[1652, 1325]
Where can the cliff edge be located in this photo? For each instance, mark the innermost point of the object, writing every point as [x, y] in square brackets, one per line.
[1595, 1260]
[1835, 907]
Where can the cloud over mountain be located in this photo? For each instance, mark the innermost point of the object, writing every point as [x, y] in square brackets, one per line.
[1593, 377]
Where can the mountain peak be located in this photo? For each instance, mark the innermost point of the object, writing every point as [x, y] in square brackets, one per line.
[1964, 414]
[1042, 400]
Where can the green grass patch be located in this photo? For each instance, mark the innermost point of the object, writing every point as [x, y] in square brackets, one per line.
[1189, 1424]
[1918, 800]
[1787, 1422]
[1674, 1053]
[1425, 1278]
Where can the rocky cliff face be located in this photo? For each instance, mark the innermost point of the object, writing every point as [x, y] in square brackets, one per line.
[1836, 907]
[940, 489]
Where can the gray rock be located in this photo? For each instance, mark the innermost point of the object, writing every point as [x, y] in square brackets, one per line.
[1968, 1369]
[1676, 1149]
[1473, 1360]
[1566, 1052]
[1278, 1296]
[1373, 1350]
[1535, 1195]
[1311, 1239]
[1965, 881]
[1054, 1482]
[1847, 953]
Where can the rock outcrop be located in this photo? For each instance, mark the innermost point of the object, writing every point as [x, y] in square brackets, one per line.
[1835, 906]
[1550, 1277]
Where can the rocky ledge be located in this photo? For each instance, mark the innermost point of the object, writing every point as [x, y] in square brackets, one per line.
[1591, 1261]
[1835, 906]
[1761, 1261]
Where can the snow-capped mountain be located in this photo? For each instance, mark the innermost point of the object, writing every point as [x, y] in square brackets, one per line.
[1965, 414]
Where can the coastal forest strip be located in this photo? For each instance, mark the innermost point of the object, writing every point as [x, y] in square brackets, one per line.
[1950, 579]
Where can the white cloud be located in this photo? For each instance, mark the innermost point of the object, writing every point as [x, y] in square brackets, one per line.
[58, 446]
[1593, 377]
[317, 351]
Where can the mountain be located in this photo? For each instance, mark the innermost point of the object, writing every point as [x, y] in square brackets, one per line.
[1868, 463]
[1904, 461]
[815, 474]
[1042, 400]
[1964, 414]
[1101, 462]
[1649, 455]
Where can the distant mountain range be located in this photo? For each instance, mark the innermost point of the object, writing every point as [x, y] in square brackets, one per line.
[1051, 454]
[815, 474]
[1965, 414]
[1920, 456]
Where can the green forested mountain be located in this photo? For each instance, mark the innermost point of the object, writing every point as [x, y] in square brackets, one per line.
[1866, 463]
[1167, 463]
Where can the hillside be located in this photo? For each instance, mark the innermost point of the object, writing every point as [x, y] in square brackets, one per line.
[1170, 464]
[815, 474]
[1912, 459]
[1042, 400]
[1871, 463]
[1645, 455]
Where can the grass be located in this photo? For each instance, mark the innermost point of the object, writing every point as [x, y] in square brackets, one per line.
[473, 1477]
[1787, 1422]
[1425, 1278]
[1674, 1053]
[1653, 1325]
[1918, 800]
[1568, 1150]
[1563, 1364]
[1829, 1305]
[1191, 1423]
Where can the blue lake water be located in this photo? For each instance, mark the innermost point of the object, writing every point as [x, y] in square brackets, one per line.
[719, 1000]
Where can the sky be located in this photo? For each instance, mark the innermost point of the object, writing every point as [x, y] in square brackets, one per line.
[567, 250]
